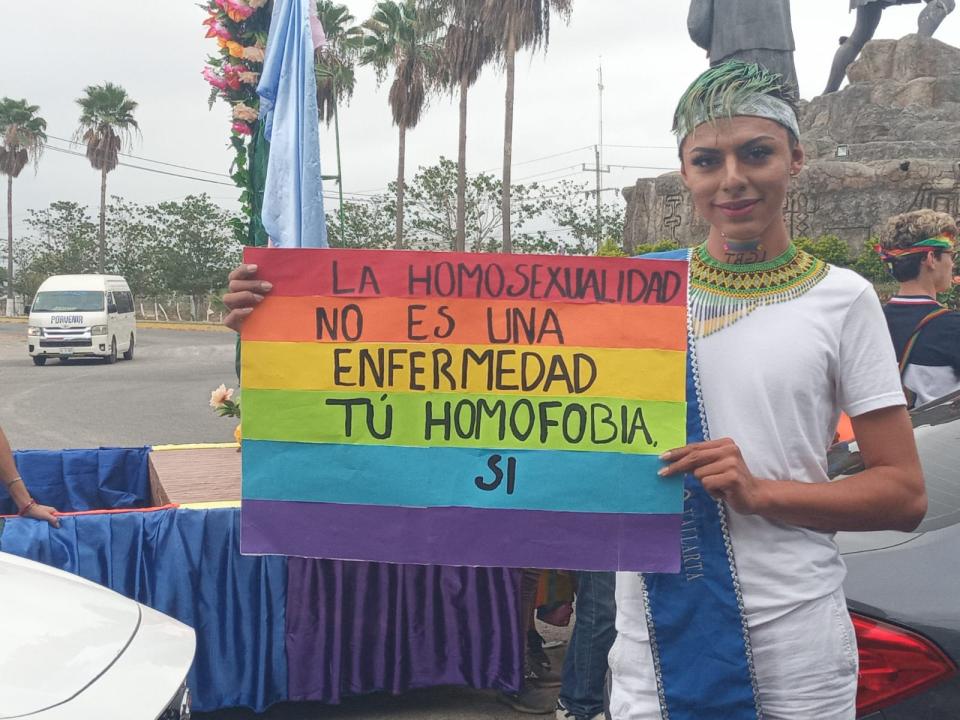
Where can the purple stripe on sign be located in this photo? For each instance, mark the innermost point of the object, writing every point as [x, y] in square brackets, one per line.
[462, 536]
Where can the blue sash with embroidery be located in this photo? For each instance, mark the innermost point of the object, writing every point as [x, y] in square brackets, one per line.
[698, 633]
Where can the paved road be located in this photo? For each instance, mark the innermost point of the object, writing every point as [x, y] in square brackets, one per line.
[159, 397]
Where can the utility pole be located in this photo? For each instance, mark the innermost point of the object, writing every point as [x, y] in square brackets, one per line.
[598, 159]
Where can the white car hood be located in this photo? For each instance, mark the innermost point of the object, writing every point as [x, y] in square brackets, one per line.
[60, 633]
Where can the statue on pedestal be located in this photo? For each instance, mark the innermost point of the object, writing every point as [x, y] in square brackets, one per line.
[868, 18]
[755, 31]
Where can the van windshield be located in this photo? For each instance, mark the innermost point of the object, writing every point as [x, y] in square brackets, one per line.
[68, 301]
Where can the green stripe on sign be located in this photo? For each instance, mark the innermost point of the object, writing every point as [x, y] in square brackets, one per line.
[466, 421]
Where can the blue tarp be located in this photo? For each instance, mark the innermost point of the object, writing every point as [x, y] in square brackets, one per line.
[78, 480]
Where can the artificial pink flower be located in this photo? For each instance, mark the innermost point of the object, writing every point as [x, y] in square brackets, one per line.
[241, 128]
[211, 77]
[250, 78]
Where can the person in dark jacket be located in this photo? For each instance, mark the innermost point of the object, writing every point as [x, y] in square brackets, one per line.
[918, 248]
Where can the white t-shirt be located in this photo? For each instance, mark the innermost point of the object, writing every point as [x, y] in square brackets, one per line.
[775, 382]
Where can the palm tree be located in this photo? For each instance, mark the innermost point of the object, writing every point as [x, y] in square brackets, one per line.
[106, 127]
[335, 71]
[22, 137]
[400, 35]
[517, 24]
[467, 48]
[335, 60]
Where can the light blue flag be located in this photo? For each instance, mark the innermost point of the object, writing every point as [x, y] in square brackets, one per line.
[293, 193]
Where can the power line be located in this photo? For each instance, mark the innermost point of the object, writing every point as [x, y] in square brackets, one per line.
[548, 172]
[157, 162]
[141, 167]
[545, 157]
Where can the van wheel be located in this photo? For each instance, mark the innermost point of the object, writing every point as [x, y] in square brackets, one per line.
[128, 353]
[39, 359]
[112, 357]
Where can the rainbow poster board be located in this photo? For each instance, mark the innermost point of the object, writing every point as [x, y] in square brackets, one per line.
[464, 409]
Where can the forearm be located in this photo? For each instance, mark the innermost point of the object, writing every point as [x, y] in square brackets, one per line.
[879, 498]
[8, 474]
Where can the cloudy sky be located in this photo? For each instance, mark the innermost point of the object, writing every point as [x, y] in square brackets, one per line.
[156, 50]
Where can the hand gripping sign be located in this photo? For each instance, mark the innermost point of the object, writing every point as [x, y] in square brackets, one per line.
[464, 409]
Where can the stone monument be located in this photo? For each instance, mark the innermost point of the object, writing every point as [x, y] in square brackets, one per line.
[887, 143]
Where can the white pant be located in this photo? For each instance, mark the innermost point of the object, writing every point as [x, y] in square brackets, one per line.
[806, 664]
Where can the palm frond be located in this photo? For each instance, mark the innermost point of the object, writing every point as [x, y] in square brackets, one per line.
[106, 125]
[22, 136]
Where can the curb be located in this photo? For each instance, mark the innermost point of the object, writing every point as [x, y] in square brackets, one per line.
[157, 325]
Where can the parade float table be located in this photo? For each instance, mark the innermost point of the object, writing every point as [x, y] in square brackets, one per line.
[162, 527]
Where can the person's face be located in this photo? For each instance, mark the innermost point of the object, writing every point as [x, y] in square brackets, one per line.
[738, 171]
[941, 269]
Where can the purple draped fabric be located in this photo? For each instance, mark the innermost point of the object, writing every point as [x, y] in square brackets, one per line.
[354, 628]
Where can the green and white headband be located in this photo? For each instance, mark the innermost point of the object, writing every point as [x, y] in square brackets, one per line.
[762, 106]
[733, 89]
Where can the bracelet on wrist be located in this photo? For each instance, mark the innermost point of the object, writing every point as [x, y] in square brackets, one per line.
[26, 508]
[13, 482]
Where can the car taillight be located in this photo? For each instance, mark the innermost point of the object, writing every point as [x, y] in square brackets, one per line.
[894, 664]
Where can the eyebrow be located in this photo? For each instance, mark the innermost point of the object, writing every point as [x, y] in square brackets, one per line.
[753, 141]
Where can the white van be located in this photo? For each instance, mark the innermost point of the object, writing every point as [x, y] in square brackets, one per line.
[82, 316]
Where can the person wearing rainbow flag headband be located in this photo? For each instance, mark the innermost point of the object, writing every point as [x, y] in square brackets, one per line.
[755, 625]
[917, 247]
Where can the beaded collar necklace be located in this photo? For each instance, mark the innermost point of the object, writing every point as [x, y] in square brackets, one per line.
[721, 294]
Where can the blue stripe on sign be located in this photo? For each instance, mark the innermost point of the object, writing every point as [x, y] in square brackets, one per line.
[561, 481]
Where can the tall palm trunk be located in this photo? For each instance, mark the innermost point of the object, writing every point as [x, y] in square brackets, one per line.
[461, 240]
[9, 245]
[398, 237]
[102, 251]
[508, 143]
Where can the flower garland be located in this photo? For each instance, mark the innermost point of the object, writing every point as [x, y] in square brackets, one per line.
[240, 28]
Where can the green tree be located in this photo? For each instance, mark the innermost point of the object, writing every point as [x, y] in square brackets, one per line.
[106, 127]
[573, 209]
[362, 225]
[433, 214]
[135, 246]
[517, 24]
[400, 36]
[22, 137]
[199, 248]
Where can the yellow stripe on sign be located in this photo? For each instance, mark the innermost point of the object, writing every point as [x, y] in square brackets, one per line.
[480, 369]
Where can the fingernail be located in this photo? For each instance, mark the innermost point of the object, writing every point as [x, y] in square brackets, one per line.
[662, 472]
[257, 298]
[667, 455]
[251, 268]
[266, 287]
[244, 311]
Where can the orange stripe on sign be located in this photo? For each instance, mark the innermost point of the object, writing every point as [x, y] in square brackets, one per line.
[466, 322]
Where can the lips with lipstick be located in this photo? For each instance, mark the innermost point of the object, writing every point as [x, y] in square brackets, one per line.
[737, 208]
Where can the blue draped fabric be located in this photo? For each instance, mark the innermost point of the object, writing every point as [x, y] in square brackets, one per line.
[356, 627]
[187, 564]
[697, 628]
[78, 480]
